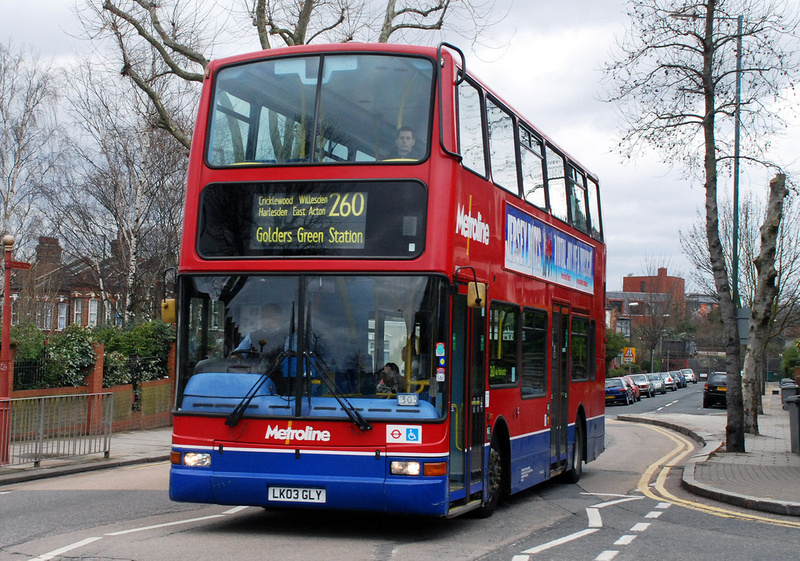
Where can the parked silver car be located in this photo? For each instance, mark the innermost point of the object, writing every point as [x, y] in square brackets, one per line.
[646, 386]
[658, 383]
[690, 376]
[669, 381]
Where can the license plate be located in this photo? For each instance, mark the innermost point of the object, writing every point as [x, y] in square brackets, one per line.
[297, 495]
[609, 397]
[722, 389]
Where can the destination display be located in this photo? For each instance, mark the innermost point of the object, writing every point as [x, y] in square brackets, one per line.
[373, 219]
[334, 220]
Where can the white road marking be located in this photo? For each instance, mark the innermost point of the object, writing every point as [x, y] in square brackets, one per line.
[618, 501]
[595, 521]
[653, 514]
[165, 525]
[66, 548]
[625, 540]
[561, 541]
[54, 553]
[606, 555]
[640, 527]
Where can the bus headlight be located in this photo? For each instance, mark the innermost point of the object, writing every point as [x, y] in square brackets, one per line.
[404, 468]
[196, 459]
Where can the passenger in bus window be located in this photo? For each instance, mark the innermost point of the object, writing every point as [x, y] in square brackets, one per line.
[391, 380]
[406, 145]
[414, 362]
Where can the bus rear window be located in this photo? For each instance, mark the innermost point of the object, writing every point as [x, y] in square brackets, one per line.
[320, 109]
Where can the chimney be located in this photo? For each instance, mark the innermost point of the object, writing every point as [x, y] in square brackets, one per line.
[48, 254]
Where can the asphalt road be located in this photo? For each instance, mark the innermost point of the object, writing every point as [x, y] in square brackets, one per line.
[628, 505]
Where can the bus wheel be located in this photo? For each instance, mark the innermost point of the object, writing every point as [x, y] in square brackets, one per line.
[573, 474]
[494, 479]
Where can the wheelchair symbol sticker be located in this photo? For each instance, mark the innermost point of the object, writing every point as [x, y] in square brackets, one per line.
[404, 434]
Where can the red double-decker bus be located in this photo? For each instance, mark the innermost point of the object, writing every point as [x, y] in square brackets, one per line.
[391, 289]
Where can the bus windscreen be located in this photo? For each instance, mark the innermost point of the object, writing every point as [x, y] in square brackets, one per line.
[320, 109]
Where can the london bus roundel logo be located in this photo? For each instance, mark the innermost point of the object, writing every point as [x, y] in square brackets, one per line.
[405, 434]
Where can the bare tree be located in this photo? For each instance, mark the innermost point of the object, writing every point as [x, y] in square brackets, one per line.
[785, 311]
[164, 47]
[121, 213]
[762, 311]
[29, 150]
[657, 316]
[675, 78]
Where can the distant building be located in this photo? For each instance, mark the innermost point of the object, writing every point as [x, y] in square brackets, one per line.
[645, 298]
[54, 295]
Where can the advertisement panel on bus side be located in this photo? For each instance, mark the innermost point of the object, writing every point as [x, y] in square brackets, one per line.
[535, 248]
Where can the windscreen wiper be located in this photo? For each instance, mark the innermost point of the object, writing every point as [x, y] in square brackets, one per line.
[238, 411]
[356, 417]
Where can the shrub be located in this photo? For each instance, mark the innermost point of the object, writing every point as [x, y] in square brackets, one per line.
[141, 350]
[115, 371]
[72, 355]
[30, 341]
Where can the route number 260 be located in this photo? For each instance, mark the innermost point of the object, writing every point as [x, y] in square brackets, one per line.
[348, 204]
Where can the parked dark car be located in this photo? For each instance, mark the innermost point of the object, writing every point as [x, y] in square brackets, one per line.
[618, 391]
[715, 391]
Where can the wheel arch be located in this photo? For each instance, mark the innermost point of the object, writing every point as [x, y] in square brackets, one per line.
[501, 433]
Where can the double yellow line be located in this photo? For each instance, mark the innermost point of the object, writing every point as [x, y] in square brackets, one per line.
[684, 446]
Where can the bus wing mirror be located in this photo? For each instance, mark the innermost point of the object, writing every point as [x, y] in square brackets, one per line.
[476, 294]
[169, 310]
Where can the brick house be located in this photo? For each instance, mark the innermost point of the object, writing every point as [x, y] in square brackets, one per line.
[54, 294]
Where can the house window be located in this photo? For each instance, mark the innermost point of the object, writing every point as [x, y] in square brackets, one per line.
[46, 322]
[92, 321]
[62, 316]
[77, 312]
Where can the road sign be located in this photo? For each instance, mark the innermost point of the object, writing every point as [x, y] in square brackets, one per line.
[628, 355]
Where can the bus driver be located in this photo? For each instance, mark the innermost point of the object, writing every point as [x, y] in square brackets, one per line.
[406, 143]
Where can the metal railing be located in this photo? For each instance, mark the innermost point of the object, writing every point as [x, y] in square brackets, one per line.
[30, 374]
[54, 427]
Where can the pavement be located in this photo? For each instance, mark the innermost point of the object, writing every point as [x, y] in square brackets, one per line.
[766, 477]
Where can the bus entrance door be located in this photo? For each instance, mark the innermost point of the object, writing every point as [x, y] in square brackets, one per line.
[467, 407]
[559, 385]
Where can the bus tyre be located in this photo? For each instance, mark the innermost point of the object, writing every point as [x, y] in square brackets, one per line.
[494, 480]
[573, 473]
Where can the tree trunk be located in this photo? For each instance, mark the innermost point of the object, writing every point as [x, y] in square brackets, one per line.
[734, 431]
[386, 28]
[766, 291]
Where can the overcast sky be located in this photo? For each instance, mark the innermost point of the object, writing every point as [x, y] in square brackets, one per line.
[547, 66]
